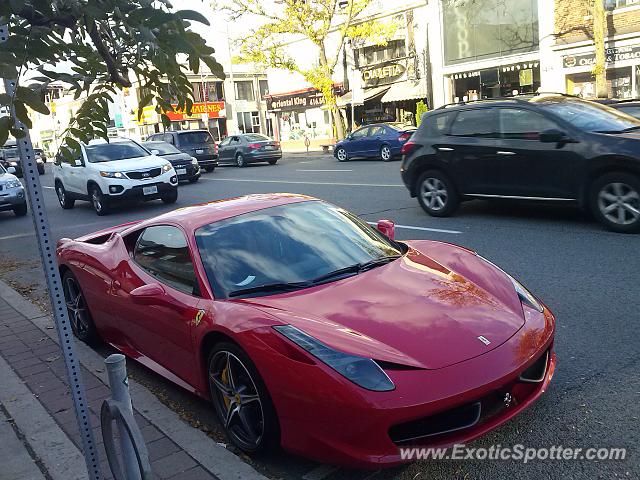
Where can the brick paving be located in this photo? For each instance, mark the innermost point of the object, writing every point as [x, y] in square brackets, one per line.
[37, 360]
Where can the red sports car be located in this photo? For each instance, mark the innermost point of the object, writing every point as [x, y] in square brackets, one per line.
[309, 329]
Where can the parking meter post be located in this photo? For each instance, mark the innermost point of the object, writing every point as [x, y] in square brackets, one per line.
[47, 248]
[119, 383]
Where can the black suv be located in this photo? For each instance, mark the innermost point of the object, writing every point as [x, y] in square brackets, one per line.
[541, 147]
[197, 143]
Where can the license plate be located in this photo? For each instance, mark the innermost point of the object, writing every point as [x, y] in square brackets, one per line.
[269, 147]
[181, 171]
[149, 190]
[199, 152]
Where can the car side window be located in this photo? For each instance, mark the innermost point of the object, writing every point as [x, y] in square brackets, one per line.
[234, 141]
[479, 122]
[437, 125]
[523, 124]
[360, 133]
[376, 131]
[163, 252]
[167, 137]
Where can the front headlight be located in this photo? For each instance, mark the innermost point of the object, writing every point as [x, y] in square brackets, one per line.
[194, 161]
[13, 184]
[112, 174]
[361, 371]
[525, 295]
[167, 167]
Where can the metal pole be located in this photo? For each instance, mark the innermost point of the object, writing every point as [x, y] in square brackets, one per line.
[119, 383]
[46, 245]
[233, 83]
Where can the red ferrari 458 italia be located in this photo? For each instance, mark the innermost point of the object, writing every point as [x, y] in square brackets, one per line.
[309, 329]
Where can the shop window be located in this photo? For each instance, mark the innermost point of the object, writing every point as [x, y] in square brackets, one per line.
[489, 29]
[481, 122]
[619, 84]
[379, 54]
[521, 124]
[244, 91]
[264, 88]
[613, 4]
[249, 122]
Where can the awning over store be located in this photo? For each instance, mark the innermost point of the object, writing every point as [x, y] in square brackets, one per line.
[369, 94]
[407, 90]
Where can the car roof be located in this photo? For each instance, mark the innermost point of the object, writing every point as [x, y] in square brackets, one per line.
[193, 217]
[524, 99]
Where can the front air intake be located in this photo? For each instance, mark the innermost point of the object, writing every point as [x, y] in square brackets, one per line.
[536, 372]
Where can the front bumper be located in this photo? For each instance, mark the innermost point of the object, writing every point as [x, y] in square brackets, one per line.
[355, 427]
[137, 193]
[11, 198]
[192, 171]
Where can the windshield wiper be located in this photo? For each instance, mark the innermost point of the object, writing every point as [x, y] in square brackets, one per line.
[270, 288]
[377, 262]
[356, 268]
[625, 130]
[630, 129]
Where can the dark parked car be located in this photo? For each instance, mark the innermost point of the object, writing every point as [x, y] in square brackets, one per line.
[197, 143]
[247, 148]
[630, 107]
[539, 147]
[9, 157]
[185, 165]
[381, 140]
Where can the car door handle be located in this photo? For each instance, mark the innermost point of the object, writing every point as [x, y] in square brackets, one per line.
[445, 149]
[505, 152]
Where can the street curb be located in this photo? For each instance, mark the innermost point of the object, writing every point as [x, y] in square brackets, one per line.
[216, 459]
[60, 457]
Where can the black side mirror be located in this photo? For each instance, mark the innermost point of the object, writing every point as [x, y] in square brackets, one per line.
[553, 136]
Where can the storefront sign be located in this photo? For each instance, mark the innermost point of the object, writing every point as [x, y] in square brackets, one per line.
[383, 74]
[210, 109]
[295, 101]
[612, 55]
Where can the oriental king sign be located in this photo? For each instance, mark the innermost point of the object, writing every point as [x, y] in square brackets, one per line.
[212, 109]
[384, 74]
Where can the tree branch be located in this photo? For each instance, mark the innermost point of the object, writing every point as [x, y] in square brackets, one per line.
[112, 68]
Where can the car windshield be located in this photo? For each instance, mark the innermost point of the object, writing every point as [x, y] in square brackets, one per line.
[591, 116]
[2, 170]
[256, 137]
[10, 152]
[163, 147]
[195, 137]
[289, 244]
[109, 152]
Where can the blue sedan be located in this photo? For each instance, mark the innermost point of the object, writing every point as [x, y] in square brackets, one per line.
[381, 140]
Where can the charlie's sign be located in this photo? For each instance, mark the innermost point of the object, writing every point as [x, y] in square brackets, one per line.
[383, 74]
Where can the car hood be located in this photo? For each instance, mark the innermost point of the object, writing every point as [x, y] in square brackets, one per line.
[177, 158]
[130, 164]
[425, 310]
[5, 177]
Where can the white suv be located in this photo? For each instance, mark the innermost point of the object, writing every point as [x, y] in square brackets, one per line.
[116, 172]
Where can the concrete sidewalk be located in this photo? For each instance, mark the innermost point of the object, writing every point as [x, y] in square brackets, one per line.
[38, 428]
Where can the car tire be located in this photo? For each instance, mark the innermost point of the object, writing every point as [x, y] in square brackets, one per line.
[209, 168]
[98, 201]
[436, 194]
[65, 201]
[171, 197]
[240, 160]
[615, 201]
[80, 317]
[41, 170]
[385, 153]
[20, 210]
[341, 155]
[273, 162]
[260, 414]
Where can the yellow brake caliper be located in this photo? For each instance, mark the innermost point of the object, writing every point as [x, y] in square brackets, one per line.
[225, 380]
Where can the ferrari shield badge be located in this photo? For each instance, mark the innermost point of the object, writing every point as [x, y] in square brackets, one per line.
[198, 318]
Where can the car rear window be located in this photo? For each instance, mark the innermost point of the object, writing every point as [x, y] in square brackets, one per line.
[196, 137]
[255, 137]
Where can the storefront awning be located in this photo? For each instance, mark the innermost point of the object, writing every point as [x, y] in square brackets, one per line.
[407, 90]
[369, 94]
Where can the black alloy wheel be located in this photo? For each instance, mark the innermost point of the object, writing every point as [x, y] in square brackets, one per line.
[79, 315]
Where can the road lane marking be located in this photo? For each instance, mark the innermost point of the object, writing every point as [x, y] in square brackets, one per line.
[424, 229]
[19, 235]
[309, 170]
[62, 228]
[294, 182]
[48, 188]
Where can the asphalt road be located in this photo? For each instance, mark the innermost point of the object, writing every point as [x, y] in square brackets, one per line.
[588, 277]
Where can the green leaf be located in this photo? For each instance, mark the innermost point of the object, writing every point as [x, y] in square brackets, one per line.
[22, 114]
[192, 15]
[144, 101]
[214, 66]
[5, 99]
[32, 99]
[17, 133]
[8, 71]
[73, 144]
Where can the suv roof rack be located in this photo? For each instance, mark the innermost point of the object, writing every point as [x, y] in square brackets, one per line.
[515, 98]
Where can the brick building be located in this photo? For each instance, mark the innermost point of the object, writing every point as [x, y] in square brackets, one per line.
[573, 54]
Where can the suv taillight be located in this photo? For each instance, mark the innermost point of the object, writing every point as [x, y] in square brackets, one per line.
[409, 148]
[215, 148]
